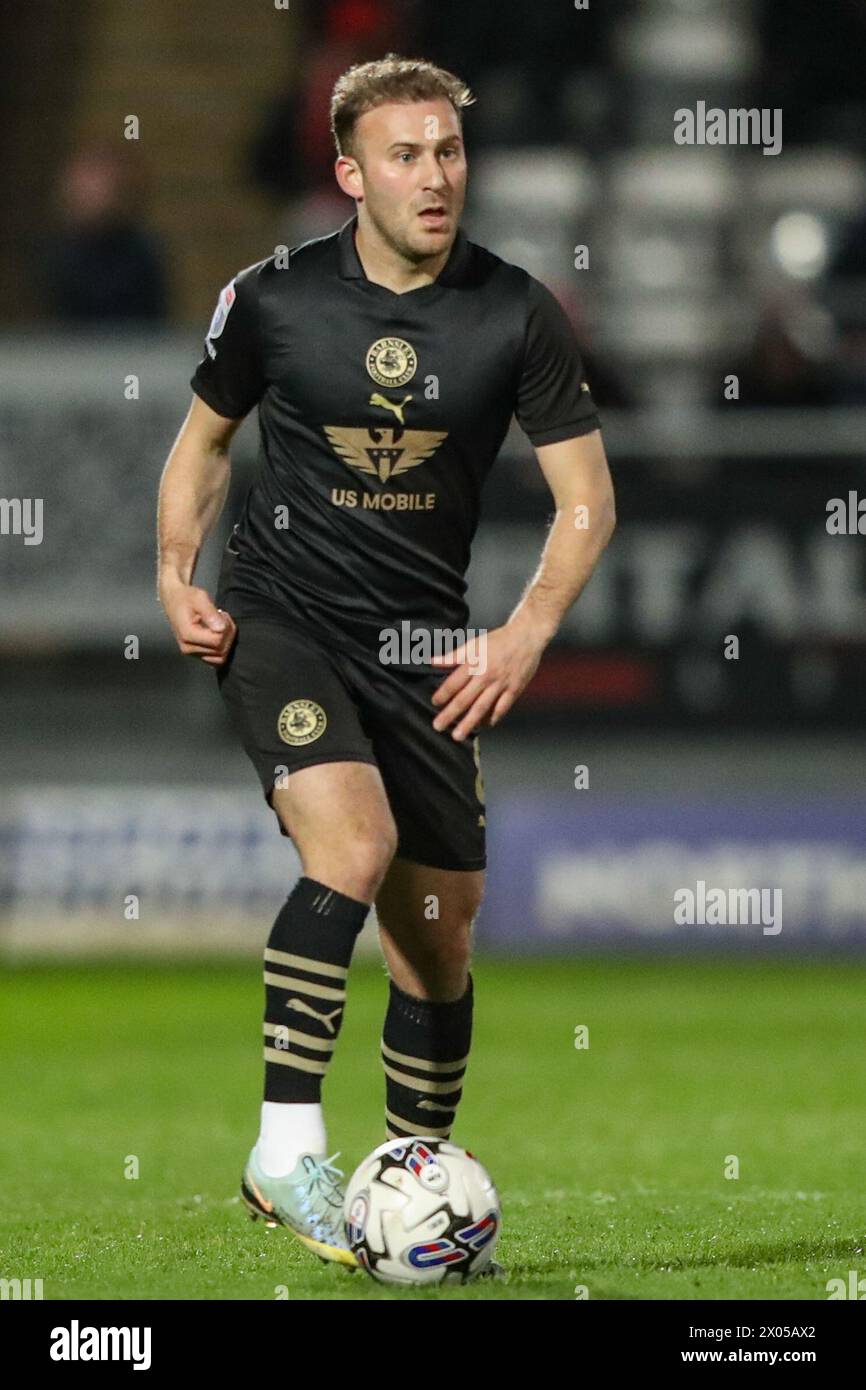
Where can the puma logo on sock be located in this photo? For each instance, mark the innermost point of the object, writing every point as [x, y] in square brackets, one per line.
[433, 1105]
[302, 1007]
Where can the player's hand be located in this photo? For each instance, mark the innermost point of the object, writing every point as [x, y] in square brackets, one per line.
[489, 672]
[201, 629]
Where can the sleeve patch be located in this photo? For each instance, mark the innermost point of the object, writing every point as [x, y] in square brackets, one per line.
[221, 312]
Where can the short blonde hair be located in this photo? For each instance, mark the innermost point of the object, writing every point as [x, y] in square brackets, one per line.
[392, 78]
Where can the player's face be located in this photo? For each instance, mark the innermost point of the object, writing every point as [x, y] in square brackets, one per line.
[413, 171]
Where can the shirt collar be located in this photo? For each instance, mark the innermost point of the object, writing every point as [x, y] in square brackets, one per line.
[351, 268]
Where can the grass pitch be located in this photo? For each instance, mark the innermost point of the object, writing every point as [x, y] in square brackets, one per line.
[610, 1161]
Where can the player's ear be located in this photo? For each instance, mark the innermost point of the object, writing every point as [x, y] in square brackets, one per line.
[349, 176]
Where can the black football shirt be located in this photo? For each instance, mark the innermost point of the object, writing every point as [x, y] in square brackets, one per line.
[380, 415]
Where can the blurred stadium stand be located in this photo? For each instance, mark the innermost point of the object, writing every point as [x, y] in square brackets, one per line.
[121, 776]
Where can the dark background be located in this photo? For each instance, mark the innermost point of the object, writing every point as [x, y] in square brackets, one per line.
[704, 263]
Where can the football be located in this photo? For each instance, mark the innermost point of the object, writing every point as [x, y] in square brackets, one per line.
[422, 1211]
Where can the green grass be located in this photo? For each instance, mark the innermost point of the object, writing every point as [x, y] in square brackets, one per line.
[610, 1161]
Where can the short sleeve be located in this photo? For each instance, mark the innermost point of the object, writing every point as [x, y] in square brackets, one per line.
[553, 399]
[230, 376]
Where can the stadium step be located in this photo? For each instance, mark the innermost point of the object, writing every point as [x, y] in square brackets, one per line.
[198, 78]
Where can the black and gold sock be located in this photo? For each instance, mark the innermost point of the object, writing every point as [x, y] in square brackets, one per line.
[306, 966]
[425, 1049]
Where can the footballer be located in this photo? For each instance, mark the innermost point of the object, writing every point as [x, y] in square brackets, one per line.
[386, 361]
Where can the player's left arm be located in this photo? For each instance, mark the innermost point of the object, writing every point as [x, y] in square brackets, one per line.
[492, 671]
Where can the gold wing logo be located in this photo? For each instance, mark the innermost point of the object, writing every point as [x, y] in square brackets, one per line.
[384, 453]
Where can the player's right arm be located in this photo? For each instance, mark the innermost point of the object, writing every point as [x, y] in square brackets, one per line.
[192, 494]
[228, 381]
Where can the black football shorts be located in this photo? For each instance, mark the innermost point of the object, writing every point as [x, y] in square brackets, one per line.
[296, 703]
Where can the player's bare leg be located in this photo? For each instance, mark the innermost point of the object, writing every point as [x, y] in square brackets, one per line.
[428, 955]
[339, 819]
[425, 930]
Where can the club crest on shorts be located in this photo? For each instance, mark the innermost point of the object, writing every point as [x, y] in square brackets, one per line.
[392, 361]
[300, 722]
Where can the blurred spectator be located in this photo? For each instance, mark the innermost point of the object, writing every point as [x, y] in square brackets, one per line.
[103, 264]
[846, 293]
[850, 259]
[790, 362]
[293, 153]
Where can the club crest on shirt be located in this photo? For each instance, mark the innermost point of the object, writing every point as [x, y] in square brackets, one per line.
[391, 361]
[227, 298]
[300, 722]
[384, 452]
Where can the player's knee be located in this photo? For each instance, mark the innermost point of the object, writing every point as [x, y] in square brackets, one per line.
[441, 972]
[473, 903]
[449, 948]
[355, 863]
[371, 853]
[463, 909]
[454, 956]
